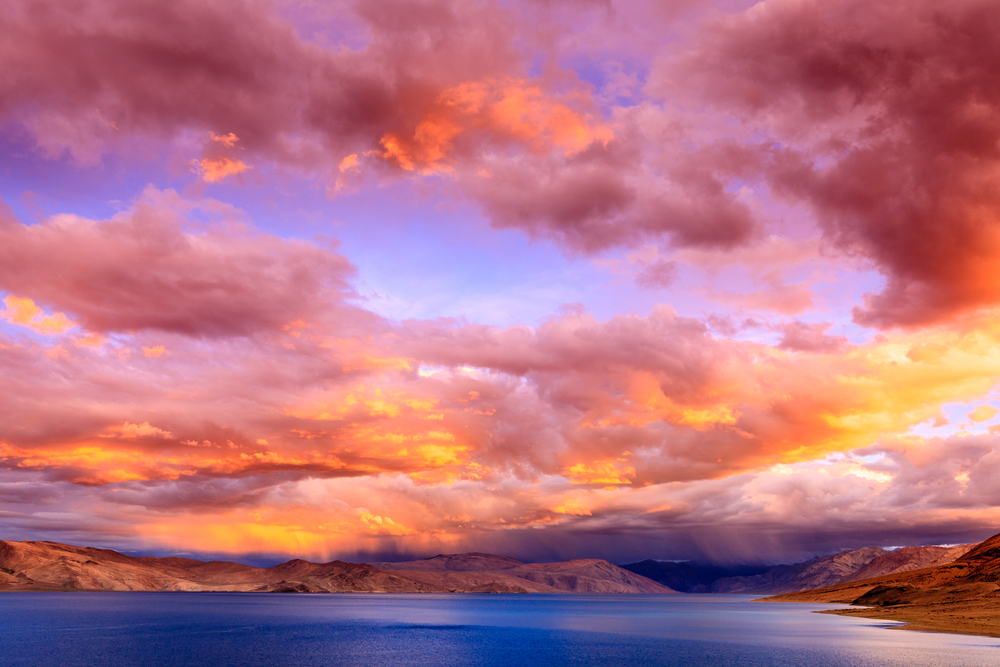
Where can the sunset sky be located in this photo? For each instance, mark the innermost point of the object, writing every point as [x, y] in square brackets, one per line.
[548, 278]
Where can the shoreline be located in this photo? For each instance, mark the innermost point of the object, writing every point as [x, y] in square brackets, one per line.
[919, 618]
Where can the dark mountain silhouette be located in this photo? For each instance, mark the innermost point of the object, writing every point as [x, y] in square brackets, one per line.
[821, 571]
[690, 577]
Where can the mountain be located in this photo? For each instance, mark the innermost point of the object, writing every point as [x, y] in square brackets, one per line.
[961, 596]
[690, 577]
[463, 571]
[819, 572]
[52, 566]
[470, 562]
[822, 571]
[908, 559]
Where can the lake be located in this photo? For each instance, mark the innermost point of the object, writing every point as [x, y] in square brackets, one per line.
[222, 629]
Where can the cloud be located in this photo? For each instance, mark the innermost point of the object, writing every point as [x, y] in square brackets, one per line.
[886, 120]
[490, 112]
[660, 399]
[24, 312]
[918, 492]
[632, 400]
[657, 274]
[813, 105]
[227, 140]
[214, 169]
[983, 413]
[641, 185]
[133, 431]
[228, 389]
[810, 337]
[217, 160]
[438, 87]
[773, 253]
[151, 268]
[237, 70]
[778, 297]
[584, 426]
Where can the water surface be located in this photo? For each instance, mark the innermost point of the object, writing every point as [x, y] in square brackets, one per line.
[223, 629]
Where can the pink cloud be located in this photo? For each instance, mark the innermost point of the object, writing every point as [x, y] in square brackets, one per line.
[608, 195]
[765, 256]
[228, 375]
[238, 70]
[810, 337]
[886, 117]
[657, 274]
[437, 87]
[147, 268]
[778, 297]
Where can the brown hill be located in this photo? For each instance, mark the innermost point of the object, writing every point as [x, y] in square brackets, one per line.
[470, 562]
[908, 559]
[822, 571]
[961, 596]
[52, 566]
[467, 571]
[837, 569]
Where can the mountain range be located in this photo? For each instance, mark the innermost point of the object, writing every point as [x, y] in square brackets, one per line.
[53, 566]
[946, 589]
[843, 567]
[473, 571]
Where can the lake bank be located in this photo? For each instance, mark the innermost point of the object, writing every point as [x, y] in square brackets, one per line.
[964, 621]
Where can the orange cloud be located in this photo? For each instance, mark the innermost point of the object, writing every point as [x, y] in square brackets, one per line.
[982, 413]
[117, 457]
[496, 110]
[618, 471]
[227, 140]
[91, 340]
[131, 431]
[630, 401]
[214, 169]
[92, 463]
[388, 427]
[23, 311]
[322, 531]
[348, 162]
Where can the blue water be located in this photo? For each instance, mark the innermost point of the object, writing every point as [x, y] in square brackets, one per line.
[222, 629]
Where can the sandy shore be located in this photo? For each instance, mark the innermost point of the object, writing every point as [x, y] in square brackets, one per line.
[958, 620]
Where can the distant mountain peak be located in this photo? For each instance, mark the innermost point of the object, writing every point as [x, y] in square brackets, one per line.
[818, 572]
[53, 566]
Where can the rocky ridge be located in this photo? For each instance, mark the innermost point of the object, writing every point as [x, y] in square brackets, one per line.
[842, 567]
[960, 596]
[42, 566]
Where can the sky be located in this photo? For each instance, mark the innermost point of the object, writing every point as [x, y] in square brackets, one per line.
[621, 279]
